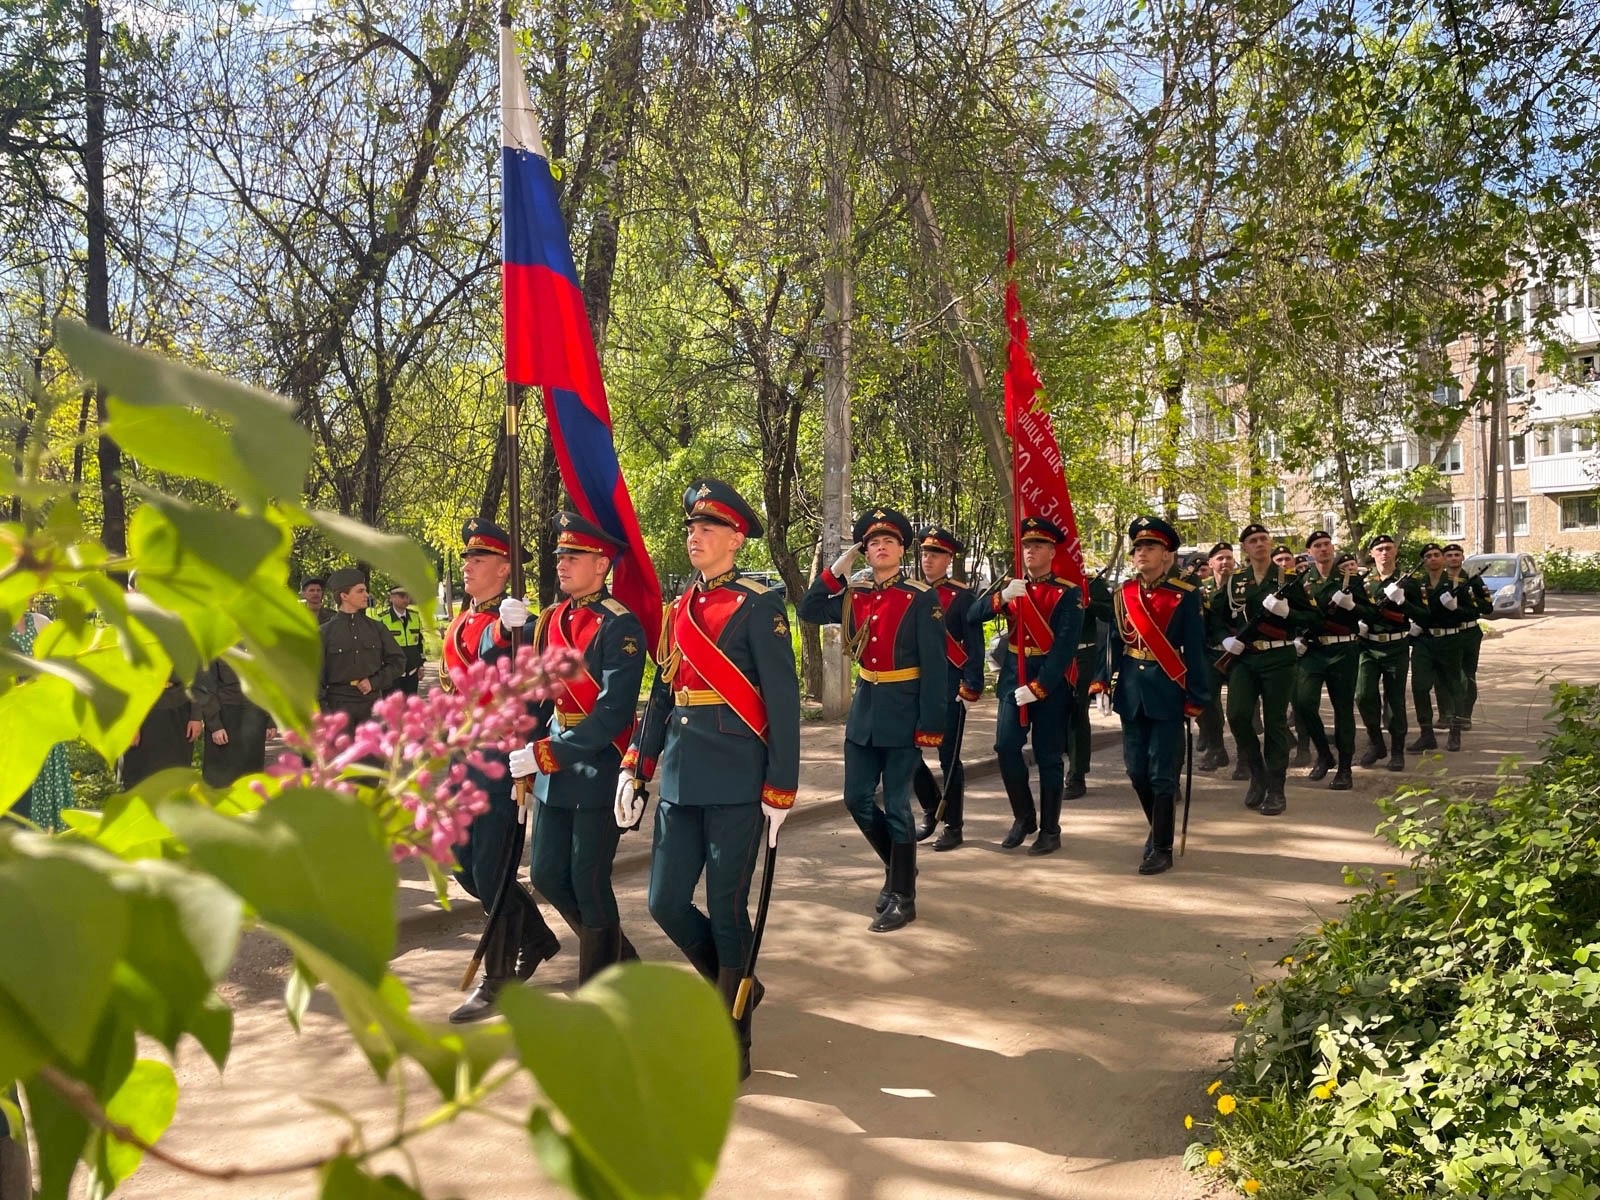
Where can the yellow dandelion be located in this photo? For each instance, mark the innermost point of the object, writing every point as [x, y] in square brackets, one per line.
[1239, 1007]
[1287, 960]
[1213, 1158]
[1322, 1091]
[1388, 878]
[1226, 1104]
[1252, 1186]
[1188, 1120]
[1261, 990]
[1345, 989]
[1212, 1090]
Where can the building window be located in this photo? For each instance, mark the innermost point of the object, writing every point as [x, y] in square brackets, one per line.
[1519, 517]
[1272, 501]
[1394, 456]
[1517, 449]
[1516, 381]
[1574, 439]
[1227, 426]
[1449, 520]
[1448, 394]
[1580, 512]
[1450, 459]
[1542, 441]
[1271, 445]
[1331, 524]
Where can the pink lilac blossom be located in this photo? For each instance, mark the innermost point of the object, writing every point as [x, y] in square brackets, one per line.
[412, 759]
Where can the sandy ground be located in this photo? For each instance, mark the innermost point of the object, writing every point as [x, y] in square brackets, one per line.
[1040, 1031]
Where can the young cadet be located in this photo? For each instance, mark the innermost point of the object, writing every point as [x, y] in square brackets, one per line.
[894, 627]
[963, 651]
[1157, 674]
[1397, 602]
[1436, 655]
[1475, 602]
[1209, 723]
[724, 723]
[1332, 657]
[1260, 621]
[1044, 617]
[587, 729]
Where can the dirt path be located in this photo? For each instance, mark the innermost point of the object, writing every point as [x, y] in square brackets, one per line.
[1039, 1032]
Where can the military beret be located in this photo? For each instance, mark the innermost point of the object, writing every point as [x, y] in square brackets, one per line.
[1316, 536]
[1153, 529]
[882, 520]
[1381, 539]
[1280, 548]
[1431, 546]
[344, 579]
[937, 537]
[1455, 547]
[1249, 531]
[1041, 529]
[1219, 548]
[576, 535]
[713, 500]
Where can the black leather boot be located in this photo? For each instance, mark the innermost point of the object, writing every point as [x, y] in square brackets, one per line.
[1049, 839]
[1213, 758]
[1341, 778]
[1274, 802]
[1376, 749]
[537, 942]
[1324, 763]
[880, 841]
[902, 907]
[598, 948]
[1452, 741]
[1241, 769]
[1076, 788]
[1258, 785]
[1424, 740]
[703, 958]
[499, 971]
[926, 791]
[1397, 757]
[1162, 811]
[728, 988]
[1023, 821]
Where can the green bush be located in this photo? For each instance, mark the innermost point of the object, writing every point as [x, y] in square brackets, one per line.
[1443, 1038]
[1567, 571]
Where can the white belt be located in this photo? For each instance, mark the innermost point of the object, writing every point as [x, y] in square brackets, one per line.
[1451, 632]
[1087, 645]
[1385, 637]
[1269, 645]
[1336, 641]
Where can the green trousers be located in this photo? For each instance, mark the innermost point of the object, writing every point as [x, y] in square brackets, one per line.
[1381, 688]
[1209, 722]
[570, 866]
[1262, 679]
[721, 842]
[1436, 667]
[1330, 668]
[1078, 718]
[1471, 639]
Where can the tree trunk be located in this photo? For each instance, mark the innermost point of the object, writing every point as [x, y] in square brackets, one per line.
[97, 275]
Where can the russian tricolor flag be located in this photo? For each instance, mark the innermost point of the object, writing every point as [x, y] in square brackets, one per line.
[549, 344]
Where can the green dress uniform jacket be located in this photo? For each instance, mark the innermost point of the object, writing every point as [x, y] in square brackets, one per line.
[1264, 674]
[1437, 654]
[1331, 662]
[1475, 602]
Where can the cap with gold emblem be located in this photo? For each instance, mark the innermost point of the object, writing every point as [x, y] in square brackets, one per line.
[879, 520]
[937, 537]
[1042, 529]
[1153, 529]
[481, 536]
[713, 500]
[576, 535]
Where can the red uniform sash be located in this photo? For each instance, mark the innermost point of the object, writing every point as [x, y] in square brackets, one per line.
[714, 667]
[1035, 624]
[582, 689]
[1153, 633]
[953, 649]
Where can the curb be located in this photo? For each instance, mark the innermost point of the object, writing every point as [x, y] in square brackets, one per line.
[431, 917]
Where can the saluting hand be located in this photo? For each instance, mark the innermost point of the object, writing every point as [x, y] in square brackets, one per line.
[841, 565]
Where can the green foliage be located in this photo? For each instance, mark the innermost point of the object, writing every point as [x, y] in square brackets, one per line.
[119, 930]
[1568, 571]
[1443, 1038]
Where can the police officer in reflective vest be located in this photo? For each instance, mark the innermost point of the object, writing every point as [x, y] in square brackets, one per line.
[405, 624]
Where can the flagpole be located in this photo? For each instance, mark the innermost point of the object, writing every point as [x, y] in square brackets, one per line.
[1016, 490]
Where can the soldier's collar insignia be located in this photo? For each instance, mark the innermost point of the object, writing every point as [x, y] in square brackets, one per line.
[717, 581]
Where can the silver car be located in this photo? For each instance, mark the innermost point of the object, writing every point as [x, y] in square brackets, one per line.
[1514, 580]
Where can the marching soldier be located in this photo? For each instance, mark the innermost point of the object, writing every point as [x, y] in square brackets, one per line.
[1043, 615]
[1092, 651]
[1332, 657]
[1210, 720]
[1475, 602]
[894, 627]
[482, 630]
[587, 729]
[724, 723]
[1260, 624]
[360, 661]
[1157, 674]
[1287, 561]
[1436, 656]
[963, 651]
[1396, 602]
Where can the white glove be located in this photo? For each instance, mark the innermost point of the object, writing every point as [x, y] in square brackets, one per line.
[841, 565]
[513, 612]
[1103, 700]
[522, 762]
[1233, 646]
[1276, 605]
[1395, 592]
[1363, 628]
[1012, 590]
[1448, 599]
[1416, 630]
[1300, 647]
[1024, 695]
[775, 818]
[1344, 600]
[969, 705]
[629, 806]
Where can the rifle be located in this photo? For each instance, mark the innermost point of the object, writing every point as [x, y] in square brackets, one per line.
[1295, 583]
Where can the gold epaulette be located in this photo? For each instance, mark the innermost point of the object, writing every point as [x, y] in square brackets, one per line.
[1066, 583]
[1185, 585]
[915, 583]
[753, 586]
[614, 606]
[957, 583]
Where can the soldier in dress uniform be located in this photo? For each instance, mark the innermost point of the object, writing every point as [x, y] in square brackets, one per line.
[1475, 602]
[1044, 617]
[724, 723]
[483, 630]
[1091, 654]
[586, 731]
[1332, 658]
[1157, 674]
[963, 650]
[1436, 655]
[1396, 602]
[1260, 611]
[1220, 558]
[894, 628]
[1288, 561]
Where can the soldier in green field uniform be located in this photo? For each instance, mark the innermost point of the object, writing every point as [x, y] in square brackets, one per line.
[1396, 601]
[724, 722]
[360, 661]
[587, 728]
[1209, 723]
[894, 628]
[1475, 602]
[1332, 657]
[1436, 655]
[1088, 659]
[1261, 610]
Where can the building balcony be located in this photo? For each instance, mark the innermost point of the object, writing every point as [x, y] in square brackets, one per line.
[1563, 401]
[1564, 473]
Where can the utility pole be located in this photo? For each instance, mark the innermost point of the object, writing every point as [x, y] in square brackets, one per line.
[836, 310]
[1503, 441]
